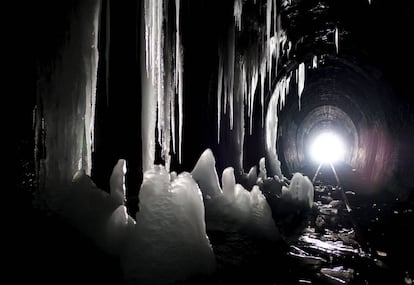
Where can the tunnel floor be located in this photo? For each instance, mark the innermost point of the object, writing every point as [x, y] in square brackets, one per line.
[370, 245]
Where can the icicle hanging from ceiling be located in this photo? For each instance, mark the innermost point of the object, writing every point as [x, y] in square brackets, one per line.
[336, 39]
[160, 87]
[240, 68]
[301, 81]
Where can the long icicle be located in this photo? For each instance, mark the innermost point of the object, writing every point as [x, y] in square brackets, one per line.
[219, 91]
[179, 69]
[231, 60]
[337, 40]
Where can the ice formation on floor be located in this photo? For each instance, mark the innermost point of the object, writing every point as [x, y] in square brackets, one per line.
[299, 191]
[166, 242]
[234, 208]
[169, 240]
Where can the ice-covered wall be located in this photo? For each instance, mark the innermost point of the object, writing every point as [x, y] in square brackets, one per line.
[66, 92]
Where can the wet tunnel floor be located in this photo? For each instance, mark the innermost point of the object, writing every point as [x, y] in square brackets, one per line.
[371, 245]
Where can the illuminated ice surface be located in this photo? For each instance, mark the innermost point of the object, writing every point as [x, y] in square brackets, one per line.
[167, 240]
[233, 208]
[300, 190]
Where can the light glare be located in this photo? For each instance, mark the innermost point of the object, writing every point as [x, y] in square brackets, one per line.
[327, 148]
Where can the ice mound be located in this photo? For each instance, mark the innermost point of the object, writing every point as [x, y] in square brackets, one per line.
[95, 213]
[234, 208]
[169, 241]
[300, 191]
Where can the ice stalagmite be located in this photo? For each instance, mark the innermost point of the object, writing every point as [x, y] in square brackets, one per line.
[169, 243]
[117, 182]
[300, 191]
[231, 209]
[205, 174]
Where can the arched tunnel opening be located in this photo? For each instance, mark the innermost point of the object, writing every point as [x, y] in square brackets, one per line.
[343, 98]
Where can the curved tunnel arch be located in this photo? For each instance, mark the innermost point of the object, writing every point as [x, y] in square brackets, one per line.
[345, 96]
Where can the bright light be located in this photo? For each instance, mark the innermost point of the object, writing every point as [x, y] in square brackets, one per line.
[327, 148]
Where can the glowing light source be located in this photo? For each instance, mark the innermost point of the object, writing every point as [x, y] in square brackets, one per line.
[327, 148]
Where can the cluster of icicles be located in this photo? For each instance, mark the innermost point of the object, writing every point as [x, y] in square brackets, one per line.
[240, 72]
[160, 87]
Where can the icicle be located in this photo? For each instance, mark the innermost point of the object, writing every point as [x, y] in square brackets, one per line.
[369, 2]
[172, 108]
[289, 48]
[179, 70]
[159, 88]
[149, 100]
[219, 90]
[262, 83]
[268, 40]
[243, 88]
[288, 83]
[276, 34]
[301, 82]
[282, 93]
[315, 62]
[231, 58]
[337, 39]
[238, 9]
[239, 111]
[107, 48]
[225, 95]
[255, 78]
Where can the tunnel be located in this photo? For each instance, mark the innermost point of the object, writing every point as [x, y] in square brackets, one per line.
[172, 142]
